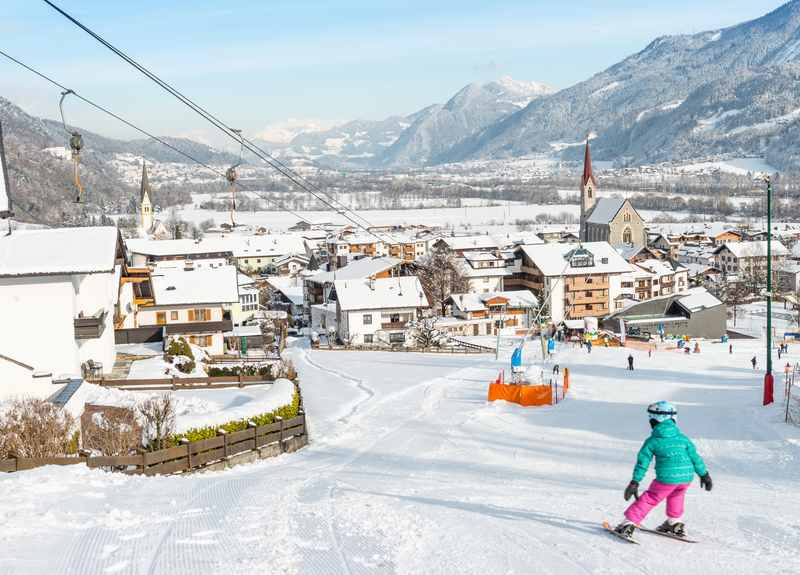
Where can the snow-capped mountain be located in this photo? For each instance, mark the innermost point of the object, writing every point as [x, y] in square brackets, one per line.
[418, 138]
[470, 110]
[731, 90]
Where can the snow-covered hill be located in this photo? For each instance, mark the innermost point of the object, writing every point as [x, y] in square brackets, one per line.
[411, 471]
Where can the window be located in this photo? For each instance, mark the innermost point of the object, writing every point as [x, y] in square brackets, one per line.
[394, 318]
[199, 314]
[587, 294]
[627, 284]
[588, 306]
[397, 337]
[368, 338]
[589, 280]
[627, 236]
[173, 316]
[626, 217]
[367, 319]
[161, 318]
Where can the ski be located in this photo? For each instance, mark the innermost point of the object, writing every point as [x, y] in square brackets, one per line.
[610, 529]
[668, 535]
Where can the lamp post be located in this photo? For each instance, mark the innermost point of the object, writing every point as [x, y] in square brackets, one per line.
[769, 382]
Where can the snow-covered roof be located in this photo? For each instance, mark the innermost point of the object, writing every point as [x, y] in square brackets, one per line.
[358, 269]
[480, 257]
[207, 285]
[480, 242]
[471, 272]
[289, 257]
[699, 299]
[58, 251]
[604, 210]
[244, 280]
[237, 245]
[243, 331]
[382, 293]
[753, 249]
[660, 267]
[477, 301]
[292, 288]
[550, 259]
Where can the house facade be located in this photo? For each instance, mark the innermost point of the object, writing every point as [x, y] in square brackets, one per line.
[489, 313]
[748, 259]
[60, 290]
[573, 281]
[194, 305]
[371, 312]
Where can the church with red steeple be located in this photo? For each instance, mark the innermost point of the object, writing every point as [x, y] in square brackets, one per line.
[612, 220]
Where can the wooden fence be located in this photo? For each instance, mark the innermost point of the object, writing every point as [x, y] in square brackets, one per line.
[187, 457]
[448, 350]
[174, 383]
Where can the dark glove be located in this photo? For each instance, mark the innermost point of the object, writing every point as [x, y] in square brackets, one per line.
[705, 482]
[632, 490]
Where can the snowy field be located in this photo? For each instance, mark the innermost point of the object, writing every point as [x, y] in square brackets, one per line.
[411, 471]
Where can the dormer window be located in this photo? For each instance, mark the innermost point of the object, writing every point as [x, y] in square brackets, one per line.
[580, 258]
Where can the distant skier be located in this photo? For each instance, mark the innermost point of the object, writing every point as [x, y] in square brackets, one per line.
[780, 351]
[630, 362]
[730, 348]
[677, 461]
[754, 361]
[588, 346]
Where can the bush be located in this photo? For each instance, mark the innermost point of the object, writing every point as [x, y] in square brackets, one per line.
[158, 414]
[179, 346]
[209, 431]
[35, 428]
[110, 430]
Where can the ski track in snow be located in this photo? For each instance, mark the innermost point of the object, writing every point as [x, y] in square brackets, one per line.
[411, 471]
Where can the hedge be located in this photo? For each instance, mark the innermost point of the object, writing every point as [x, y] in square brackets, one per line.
[209, 431]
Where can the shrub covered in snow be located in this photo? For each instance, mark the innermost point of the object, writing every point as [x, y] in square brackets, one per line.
[110, 430]
[35, 428]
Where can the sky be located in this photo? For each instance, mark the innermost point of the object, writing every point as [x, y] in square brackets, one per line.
[263, 66]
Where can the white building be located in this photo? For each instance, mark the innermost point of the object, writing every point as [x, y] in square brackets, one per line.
[193, 304]
[59, 292]
[748, 258]
[379, 310]
[485, 271]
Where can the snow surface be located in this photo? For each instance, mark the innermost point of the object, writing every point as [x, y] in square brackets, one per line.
[411, 471]
[60, 250]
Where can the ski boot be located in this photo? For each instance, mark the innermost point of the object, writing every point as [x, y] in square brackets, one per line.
[677, 529]
[625, 529]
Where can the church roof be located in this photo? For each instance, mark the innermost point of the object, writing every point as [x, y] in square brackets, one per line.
[605, 209]
[145, 185]
[587, 168]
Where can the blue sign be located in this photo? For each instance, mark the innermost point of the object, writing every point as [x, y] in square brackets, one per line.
[551, 345]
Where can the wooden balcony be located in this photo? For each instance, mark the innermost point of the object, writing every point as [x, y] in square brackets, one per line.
[198, 327]
[90, 327]
[581, 283]
[394, 325]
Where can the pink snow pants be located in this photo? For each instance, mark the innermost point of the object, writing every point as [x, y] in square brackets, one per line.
[653, 496]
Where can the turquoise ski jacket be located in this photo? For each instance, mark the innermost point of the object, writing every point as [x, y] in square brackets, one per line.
[677, 459]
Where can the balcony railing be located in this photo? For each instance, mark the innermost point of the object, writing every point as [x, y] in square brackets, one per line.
[198, 327]
[394, 325]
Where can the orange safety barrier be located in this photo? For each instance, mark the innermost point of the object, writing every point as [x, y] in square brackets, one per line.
[521, 394]
[528, 395]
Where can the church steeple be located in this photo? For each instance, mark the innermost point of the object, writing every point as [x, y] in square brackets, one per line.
[588, 191]
[145, 203]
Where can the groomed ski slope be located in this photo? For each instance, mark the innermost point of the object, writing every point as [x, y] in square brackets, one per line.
[412, 472]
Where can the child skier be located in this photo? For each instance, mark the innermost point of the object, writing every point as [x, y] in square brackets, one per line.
[677, 461]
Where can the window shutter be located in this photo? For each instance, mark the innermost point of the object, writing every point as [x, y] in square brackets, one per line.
[191, 315]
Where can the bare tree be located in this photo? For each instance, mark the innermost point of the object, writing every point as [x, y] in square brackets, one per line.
[441, 275]
[159, 416]
[34, 428]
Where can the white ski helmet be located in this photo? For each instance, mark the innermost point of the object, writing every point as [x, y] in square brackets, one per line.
[662, 411]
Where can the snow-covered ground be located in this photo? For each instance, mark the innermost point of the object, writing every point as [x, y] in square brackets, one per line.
[411, 471]
[200, 407]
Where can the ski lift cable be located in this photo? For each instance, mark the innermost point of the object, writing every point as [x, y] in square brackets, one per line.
[287, 172]
[148, 134]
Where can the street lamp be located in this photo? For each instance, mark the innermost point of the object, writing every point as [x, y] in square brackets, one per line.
[769, 381]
